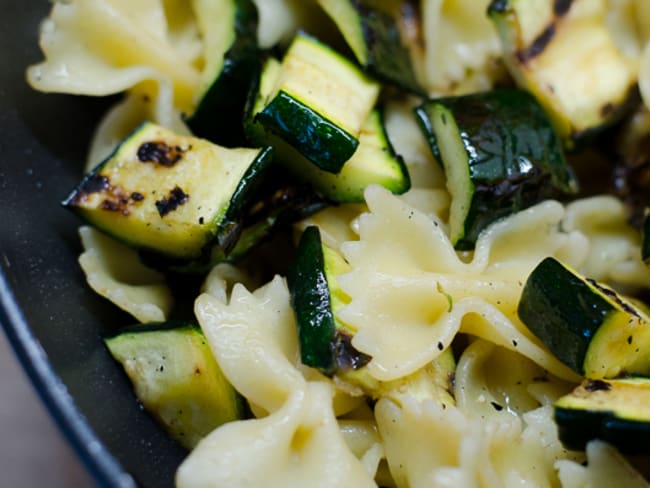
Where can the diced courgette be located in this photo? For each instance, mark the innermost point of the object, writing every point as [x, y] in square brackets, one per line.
[615, 411]
[171, 194]
[315, 297]
[500, 155]
[585, 325]
[563, 53]
[374, 161]
[177, 379]
[231, 59]
[317, 103]
[374, 38]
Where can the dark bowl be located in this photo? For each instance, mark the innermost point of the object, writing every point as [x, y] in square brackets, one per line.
[53, 320]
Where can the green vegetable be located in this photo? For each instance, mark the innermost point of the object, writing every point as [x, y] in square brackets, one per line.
[316, 101]
[171, 194]
[373, 36]
[229, 30]
[615, 411]
[177, 379]
[500, 155]
[564, 54]
[585, 325]
[374, 161]
[325, 342]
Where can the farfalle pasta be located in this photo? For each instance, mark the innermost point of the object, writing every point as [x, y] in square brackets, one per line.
[254, 340]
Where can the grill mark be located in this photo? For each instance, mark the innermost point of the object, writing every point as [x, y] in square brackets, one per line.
[607, 109]
[597, 385]
[160, 153]
[115, 199]
[346, 355]
[175, 199]
[94, 184]
[538, 45]
[561, 7]
[614, 296]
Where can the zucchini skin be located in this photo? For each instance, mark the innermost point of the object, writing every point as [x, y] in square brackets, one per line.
[242, 198]
[388, 60]
[614, 411]
[321, 141]
[218, 114]
[373, 36]
[311, 302]
[586, 326]
[325, 343]
[513, 156]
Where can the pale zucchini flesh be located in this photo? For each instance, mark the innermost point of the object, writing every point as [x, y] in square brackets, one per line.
[177, 379]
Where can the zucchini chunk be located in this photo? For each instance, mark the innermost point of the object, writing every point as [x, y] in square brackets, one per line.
[585, 325]
[374, 161]
[231, 59]
[170, 194]
[177, 379]
[563, 53]
[616, 411]
[318, 103]
[374, 38]
[500, 155]
[325, 340]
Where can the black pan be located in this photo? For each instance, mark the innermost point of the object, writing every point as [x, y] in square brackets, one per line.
[53, 320]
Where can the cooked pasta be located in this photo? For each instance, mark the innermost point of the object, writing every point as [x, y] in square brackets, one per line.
[115, 272]
[412, 295]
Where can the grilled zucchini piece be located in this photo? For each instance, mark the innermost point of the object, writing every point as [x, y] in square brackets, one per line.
[177, 379]
[500, 155]
[315, 298]
[317, 103]
[231, 58]
[562, 52]
[615, 411]
[374, 38]
[171, 194]
[374, 161]
[587, 326]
